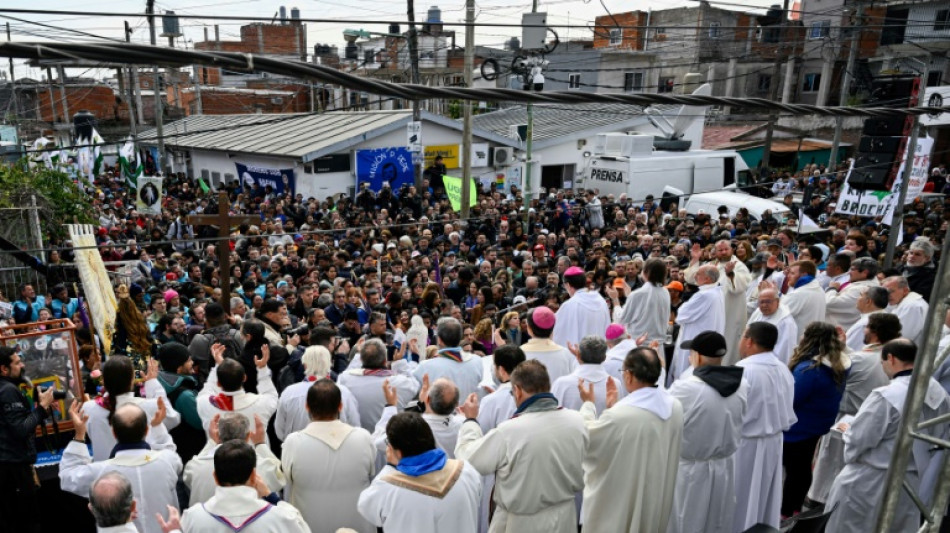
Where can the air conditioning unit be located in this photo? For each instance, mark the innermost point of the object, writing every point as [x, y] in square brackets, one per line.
[501, 156]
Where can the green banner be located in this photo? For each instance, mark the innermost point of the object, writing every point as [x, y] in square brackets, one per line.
[453, 189]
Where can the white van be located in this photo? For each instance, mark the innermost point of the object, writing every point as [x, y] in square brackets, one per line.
[709, 202]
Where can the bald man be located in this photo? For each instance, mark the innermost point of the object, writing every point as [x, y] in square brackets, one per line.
[154, 469]
[771, 310]
[705, 311]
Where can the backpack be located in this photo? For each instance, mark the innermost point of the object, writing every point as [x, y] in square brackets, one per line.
[232, 350]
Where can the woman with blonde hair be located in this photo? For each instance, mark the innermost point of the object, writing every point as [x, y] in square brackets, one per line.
[510, 328]
[484, 337]
[820, 367]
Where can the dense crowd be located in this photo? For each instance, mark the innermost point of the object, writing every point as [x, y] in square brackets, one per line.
[352, 312]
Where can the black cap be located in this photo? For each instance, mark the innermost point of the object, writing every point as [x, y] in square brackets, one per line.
[707, 344]
[774, 242]
[172, 355]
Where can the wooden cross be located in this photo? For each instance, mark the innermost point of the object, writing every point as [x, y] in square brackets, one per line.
[223, 220]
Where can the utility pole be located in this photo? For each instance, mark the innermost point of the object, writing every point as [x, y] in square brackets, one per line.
[131, 90]
[52, 99]
[856, 23]
[773, 86]
[198, 105]
[469, 64]
[150, 13]
[529, 133]
[16, 104]
[898, 217]
[414, 69]
[62, 92]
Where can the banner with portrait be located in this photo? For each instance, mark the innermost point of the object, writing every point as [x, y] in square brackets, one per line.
[279, 179]
[148, 195]
[384, 165]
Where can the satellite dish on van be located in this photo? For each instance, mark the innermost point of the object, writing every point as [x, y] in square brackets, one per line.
[674, 131]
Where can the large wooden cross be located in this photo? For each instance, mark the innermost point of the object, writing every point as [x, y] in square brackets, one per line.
[223, 220]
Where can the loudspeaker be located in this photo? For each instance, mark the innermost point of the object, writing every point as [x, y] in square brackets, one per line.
[884, 127]
[894, 92]
[873, 178]
[879, 144]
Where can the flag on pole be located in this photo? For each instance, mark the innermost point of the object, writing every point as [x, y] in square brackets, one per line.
[130, 164]
[453, 189]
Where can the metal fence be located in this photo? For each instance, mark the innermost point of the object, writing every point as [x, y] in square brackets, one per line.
[21, 226]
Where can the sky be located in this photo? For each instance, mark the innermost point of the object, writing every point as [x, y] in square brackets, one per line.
[560, 12]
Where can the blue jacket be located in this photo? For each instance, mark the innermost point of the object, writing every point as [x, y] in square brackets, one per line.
[817, 398]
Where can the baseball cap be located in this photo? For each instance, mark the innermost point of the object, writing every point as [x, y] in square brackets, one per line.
[707, 344]
[614, 331]
[543, 317]
[675, 286]
[520, 299]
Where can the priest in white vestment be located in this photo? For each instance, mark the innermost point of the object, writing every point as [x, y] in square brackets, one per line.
[841, 300]
[585, 313]
[769, 272]
[631, 463]
[872, 300]
[120, 369]
[328, 464]
[291, 407]
[705, 311]
[591, 354]
[647, 309]
[241, 501]
[804, 299]
[224, 391]
[771, 310]
[866, 375]
[557, 358]
[869, 444]
[153, 467]
[440, 401]
[366, 383]
[199, 472]
[734, 279]
[536, 457]
[910, 307]
[714, 401]
[421, 490]
[768, 415]
[461, 367]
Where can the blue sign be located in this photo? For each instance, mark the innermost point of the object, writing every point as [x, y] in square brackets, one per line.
[393, 165]
[279, 179]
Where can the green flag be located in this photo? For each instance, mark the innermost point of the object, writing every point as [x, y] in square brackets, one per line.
[453, 189]
[203, 185]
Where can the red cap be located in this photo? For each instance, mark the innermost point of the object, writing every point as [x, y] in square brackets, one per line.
[539, 247]
[574, 271]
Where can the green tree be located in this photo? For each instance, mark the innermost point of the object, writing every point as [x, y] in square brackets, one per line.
[60, 201]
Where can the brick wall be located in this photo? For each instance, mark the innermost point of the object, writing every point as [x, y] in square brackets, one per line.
[278, 39]
[632, 33]
[100, 100]
[222, 102]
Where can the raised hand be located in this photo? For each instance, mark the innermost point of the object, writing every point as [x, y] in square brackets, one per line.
[389, 392]
[424, 391]
[641, 339]
[173, 523]
[587, 393]
[612, 393]
[160, 413]
[213, 429]
[574, 349]
[259, 434]
[695, 253]
[261, 362]
[78, 418]
[469, 409]
[217, 352]
[152, 371]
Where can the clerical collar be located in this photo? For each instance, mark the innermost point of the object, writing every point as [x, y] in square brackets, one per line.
[120, 447]
[903, 373]
[543, 401]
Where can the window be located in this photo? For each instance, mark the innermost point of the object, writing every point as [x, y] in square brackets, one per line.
[714, 30]
[632, 82]
[765, 82]
[216, 178]
[228, 177]
[666, 84]
[812, 82]
[933, 78]
[205, 174]
[819, 29]
[616, 36]
[942, 22]
[659, 31]
[574, 82]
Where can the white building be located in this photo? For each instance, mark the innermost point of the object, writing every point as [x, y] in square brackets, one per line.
[321, 149]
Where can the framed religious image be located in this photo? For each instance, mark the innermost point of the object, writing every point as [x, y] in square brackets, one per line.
[50, 357]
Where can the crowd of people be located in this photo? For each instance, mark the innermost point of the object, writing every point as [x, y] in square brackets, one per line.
[585, 360]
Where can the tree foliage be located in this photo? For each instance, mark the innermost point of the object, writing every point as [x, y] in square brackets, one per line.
[59, 199]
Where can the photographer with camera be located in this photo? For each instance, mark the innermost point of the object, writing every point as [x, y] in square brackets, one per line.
[18, 421]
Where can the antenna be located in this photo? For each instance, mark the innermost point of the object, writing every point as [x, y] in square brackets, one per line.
[685, 117]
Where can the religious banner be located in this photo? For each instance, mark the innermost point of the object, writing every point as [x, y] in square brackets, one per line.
[148, 195]
[279, 179]
[384, 165]
[449, 153]
[453, 189]
[96, 285]
[882, 203]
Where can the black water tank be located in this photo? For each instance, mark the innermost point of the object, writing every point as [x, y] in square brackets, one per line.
[84, 122]
[394, 29]
[351, 51]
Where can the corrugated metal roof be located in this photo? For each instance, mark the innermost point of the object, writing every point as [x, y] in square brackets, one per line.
[289, 135]
[305, 136]
[555, 121]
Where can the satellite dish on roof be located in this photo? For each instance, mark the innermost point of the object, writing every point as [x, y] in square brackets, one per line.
[673, 131]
